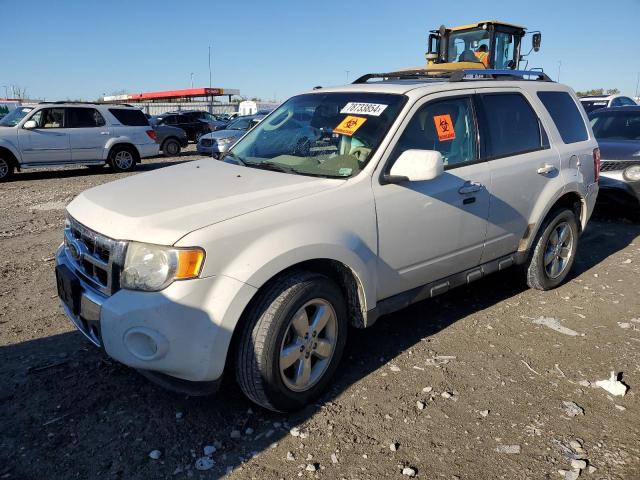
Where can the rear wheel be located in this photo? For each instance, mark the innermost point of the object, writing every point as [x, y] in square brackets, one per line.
[6, 169]
[122, 159]
[170, 147]
[554, 250]
[292, 342]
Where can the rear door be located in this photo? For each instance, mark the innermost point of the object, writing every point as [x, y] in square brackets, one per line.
[49, 141]
[88, 134]
[523, 166]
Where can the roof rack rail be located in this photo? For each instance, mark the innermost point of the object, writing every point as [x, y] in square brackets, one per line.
[72, 102]
[458, 75]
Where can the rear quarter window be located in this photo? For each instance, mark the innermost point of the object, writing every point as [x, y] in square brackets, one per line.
[565, 115]
[130, 117]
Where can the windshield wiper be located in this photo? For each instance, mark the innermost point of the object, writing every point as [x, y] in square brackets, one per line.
[277, 167]
[236, 158]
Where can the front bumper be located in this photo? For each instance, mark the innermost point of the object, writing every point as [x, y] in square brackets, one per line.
[614, 182]
[215, 150]
[182, 332]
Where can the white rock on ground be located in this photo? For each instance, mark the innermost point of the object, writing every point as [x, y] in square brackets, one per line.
[334, 458]
[420, 404]
[249, 431]
[311, 467]
[295, 432]
[613, 385]
[155, 454]
[409, 472]
[579, 464]
[572, 475]
[572, 408]
[427, 389]
[290, 457]
[484, 413]
[508, 449]
[209, 450]
[394, 446]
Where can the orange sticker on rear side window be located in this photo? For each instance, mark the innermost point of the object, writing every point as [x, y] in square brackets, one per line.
[349, 125]
[444, 127]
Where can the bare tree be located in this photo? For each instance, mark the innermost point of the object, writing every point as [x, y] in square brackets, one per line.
[18, 92]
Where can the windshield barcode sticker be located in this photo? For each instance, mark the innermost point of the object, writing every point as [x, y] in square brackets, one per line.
[373, 109]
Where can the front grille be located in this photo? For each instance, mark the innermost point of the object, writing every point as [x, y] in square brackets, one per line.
[617, 165]
[96, 258]
[206, 142]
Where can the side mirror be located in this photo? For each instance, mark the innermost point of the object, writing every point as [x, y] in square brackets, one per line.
[30, 124]
[536, 41]
[416, 166]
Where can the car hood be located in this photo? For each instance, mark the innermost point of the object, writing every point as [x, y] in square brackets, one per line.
[619, 149]
[163, 206]
[224, 134]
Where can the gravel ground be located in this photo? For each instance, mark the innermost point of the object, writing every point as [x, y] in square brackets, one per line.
[470, 385]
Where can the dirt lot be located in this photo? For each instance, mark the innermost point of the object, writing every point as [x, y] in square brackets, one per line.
[468, 386]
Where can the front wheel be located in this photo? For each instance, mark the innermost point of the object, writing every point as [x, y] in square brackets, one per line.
[292, 342]
[6, 169]
[554, 250]
[122, 159]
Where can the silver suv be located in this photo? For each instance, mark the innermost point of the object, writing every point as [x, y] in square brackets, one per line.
[61, 133]
[342, 205]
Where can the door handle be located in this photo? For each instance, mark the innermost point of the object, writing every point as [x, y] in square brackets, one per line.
[546, 169]
[104, 133]
[470, 187]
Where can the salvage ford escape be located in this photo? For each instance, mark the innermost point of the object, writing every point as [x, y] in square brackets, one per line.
[344, 204]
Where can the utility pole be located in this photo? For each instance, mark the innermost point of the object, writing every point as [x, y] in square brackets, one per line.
[191, 79]
[348, 72]
[637, 84]
[209, 66]
[559, 67]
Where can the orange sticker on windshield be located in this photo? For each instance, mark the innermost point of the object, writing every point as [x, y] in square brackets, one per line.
[444, 127]
[349, 125]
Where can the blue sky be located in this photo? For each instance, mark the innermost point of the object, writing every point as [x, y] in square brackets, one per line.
[82, 49]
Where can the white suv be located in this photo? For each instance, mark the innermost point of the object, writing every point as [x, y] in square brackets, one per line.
[61, 133]
[344, 204]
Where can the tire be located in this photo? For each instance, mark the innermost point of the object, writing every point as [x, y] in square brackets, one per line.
[551, 259]
[170, 147]
[122, 159]
[6, 169]
[270, 330]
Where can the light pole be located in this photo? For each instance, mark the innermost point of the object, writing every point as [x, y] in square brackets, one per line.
[637, 84]
[559, 67]
[6, 91]
[191, 79]
[209, 66]
[347, 72]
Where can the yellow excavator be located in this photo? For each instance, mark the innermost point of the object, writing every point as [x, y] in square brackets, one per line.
[488, 44]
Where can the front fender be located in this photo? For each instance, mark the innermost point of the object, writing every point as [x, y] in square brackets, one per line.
[11, 146]
[258, 257]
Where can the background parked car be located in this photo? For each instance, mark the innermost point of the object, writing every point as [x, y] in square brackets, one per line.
[215, 122]
[596, 102]
[618, 133]
[171, 139]
[73, 133]
[194, 127]
[217, 143]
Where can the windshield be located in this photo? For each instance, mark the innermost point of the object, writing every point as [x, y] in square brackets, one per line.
[13, 118]
[616, 125]
[468, 45]
[593, 105]
[320, 134]
[239, 124]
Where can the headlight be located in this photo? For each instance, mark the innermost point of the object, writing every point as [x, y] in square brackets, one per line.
[632, 173]
[226, 140]
[153, 267]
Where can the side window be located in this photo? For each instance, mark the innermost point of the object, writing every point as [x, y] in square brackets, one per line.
[503, 50]
[626, 101]
[446, 126]
[511, 126]
[184, 119]
[49, 118]
[85, 118]
[616, 102]
[565, 115]
[170, 120]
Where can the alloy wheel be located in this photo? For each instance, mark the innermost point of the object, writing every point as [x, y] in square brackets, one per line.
[558, 250]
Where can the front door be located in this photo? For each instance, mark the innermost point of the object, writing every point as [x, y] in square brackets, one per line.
[432, 229]
[89, 134]
[49, 141]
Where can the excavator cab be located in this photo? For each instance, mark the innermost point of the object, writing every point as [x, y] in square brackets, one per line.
[487, 44]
